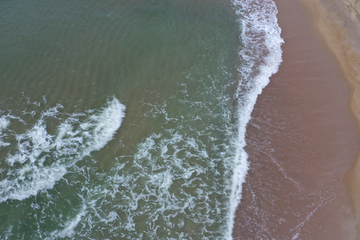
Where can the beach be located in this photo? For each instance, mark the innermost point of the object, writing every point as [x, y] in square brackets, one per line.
[337, 23]
[302, 139]
[179, 119]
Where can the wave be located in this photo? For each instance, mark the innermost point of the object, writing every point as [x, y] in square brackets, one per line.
[41, 157]
[260, 57]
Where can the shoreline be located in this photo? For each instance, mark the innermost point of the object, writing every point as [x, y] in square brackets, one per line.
[338, 30]
[302, 140]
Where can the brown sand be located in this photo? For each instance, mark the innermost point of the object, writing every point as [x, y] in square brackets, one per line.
[338, 22]
[302, 140]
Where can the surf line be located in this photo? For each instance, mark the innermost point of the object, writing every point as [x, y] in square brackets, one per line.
[260, 57]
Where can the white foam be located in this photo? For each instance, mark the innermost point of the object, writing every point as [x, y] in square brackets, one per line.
[105, 124]
[4, 123]
[69, 231]
[260, 58]
[151, 178]
[42, 158]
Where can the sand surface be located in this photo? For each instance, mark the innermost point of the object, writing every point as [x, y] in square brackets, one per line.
[338, 25]
[302, 141]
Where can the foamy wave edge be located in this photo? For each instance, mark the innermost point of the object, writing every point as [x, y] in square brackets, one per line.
[70, 145]
[261, 56]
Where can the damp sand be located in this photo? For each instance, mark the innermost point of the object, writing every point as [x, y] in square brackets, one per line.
[302, 140]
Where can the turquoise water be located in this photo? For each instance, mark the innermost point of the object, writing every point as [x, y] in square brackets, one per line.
[120, 119]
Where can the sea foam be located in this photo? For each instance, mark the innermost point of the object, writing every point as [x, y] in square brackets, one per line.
[260, 57]
[41, 158]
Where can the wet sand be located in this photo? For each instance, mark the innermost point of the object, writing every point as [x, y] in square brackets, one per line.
[302, 141]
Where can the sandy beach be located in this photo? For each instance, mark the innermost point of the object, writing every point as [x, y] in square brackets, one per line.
[338, 25]
[303, 139]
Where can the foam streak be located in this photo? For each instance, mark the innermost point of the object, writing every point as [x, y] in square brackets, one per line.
[41, 158]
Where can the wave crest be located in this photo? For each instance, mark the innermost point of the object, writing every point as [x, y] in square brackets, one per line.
[41, 158]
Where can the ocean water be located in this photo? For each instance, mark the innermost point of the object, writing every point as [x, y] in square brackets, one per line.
[126, 119]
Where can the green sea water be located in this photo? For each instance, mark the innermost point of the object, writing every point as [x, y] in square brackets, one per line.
[117, 118]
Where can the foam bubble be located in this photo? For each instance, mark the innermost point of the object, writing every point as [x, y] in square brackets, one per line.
[41, 158]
